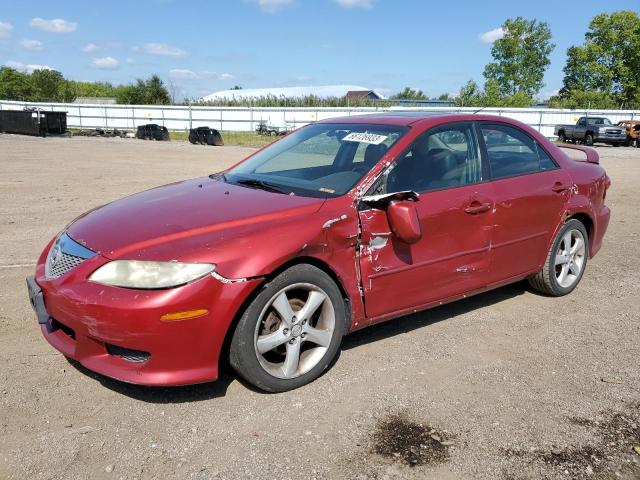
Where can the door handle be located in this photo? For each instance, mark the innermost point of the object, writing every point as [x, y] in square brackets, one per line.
[476, 208]
[559, 187]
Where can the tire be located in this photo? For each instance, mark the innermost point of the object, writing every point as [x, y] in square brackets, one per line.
[558, 277]
[588, 139]
[562, 137]
[277, 368]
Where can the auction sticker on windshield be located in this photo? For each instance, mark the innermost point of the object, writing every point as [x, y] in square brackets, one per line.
[372, 138]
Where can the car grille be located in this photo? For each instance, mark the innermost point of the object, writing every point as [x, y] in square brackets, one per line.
[128, 354]
[613, 131]
[65, 255]
[62, 264]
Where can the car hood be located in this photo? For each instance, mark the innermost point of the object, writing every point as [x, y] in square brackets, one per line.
[186, 220]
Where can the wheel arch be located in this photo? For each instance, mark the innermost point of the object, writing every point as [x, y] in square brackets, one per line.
[302, 260]
[587, 221]
[326, 268]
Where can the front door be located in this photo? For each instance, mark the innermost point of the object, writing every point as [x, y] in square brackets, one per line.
[455, 210]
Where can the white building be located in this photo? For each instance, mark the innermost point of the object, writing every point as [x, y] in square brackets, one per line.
[323, 91]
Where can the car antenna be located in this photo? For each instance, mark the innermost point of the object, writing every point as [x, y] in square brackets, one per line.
[480, 109]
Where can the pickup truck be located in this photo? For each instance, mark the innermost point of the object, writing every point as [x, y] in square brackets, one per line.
[589, 130]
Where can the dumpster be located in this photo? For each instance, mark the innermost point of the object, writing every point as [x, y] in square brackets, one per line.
[33, 122]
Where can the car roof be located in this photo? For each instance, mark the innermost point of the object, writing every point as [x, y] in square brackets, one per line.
[401, 118]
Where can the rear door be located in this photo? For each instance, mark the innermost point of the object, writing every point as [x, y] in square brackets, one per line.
[530, 197]
[455, 211]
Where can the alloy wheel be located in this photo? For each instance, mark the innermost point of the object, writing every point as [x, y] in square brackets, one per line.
[570, 258]
[294, 330]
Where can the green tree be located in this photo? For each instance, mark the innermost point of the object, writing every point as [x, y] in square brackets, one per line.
[155, 92]
[47, 85]
[15, 85]
[133, 94]
[578, 98]
[521, 57]
[92, 89]
[608, 61]
[409, 94]
[469, 95]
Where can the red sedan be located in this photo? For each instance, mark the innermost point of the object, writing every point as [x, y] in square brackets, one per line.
[339, 225]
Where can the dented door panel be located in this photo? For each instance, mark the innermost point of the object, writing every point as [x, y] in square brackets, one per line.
[527, 214]
[451, 258]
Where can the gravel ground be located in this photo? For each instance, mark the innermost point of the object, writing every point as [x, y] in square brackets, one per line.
[508, 384]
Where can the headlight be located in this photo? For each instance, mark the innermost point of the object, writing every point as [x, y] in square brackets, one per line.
[149, 275]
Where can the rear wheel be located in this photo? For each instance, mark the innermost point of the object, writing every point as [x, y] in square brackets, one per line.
[291, 331]
[562, 137]
[566, 261]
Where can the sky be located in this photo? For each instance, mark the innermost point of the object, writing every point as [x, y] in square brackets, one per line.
[204, 46]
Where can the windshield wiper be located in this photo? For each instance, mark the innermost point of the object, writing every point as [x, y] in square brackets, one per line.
[252, 182]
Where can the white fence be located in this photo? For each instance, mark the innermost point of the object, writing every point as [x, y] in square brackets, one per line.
[247, 119]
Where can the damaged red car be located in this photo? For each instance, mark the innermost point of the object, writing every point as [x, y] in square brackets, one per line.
[339, 225]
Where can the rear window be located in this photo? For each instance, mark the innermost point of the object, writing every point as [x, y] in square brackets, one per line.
[512, 152]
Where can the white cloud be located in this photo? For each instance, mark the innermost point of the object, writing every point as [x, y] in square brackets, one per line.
[492, 35]
[271, 6]
[546, 94]
[105, 63]
[185, 74]
[355, 3]
[182, 74]
[56, 25]
[90, 47]
[5, 30]
[161, 49]
[29, 68]
[129, 60]
[31, 44]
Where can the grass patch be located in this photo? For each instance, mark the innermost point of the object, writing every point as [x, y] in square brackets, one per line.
[244, 139]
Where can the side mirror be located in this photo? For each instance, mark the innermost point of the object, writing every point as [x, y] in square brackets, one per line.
[404, 222]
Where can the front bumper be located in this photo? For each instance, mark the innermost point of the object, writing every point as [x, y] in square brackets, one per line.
[607, 138]
[94, 323]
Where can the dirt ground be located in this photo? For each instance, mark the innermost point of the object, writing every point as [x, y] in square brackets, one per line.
[508, 384]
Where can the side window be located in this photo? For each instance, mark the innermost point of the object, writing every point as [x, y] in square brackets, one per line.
[442, 158]
[582, 122]
[546, 162]
[510, 151]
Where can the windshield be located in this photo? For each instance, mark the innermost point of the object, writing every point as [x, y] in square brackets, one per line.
[318, 160]
[599, 121]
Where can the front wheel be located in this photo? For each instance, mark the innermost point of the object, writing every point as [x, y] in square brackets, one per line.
[291, 331]
[566, 261]
[588, 140]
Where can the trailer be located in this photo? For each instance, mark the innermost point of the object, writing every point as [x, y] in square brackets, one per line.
[33, 122]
